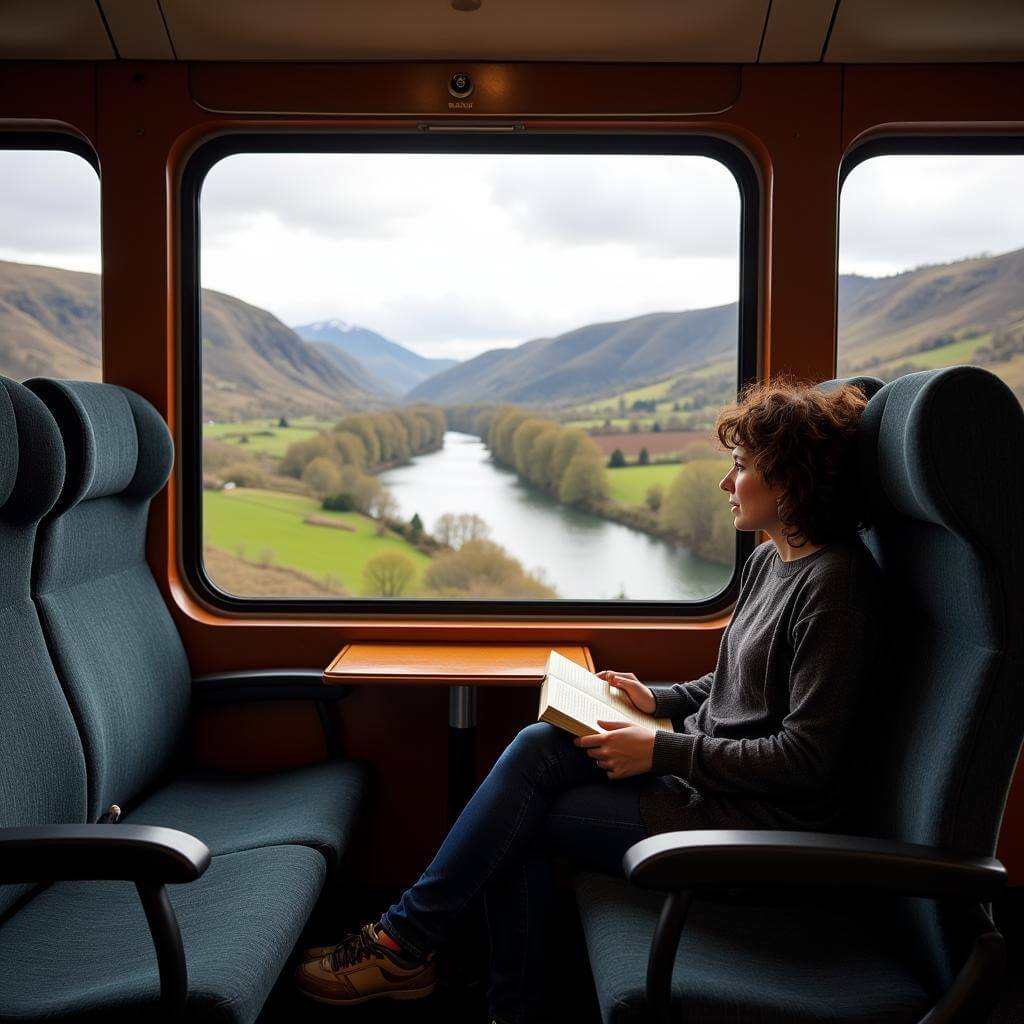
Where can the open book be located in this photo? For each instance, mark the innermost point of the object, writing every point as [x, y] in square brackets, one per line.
[574, 699]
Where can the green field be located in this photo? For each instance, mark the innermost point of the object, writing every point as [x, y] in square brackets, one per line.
[629, 484]
[253, 523]
[265, 435]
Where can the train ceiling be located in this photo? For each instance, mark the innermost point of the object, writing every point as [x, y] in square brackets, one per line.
[723, 31]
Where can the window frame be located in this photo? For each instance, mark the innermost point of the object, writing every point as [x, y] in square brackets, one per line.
[48, 139]
[203, 159]
[917, 144]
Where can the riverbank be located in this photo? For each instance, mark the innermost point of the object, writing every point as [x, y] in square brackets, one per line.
[583, 555]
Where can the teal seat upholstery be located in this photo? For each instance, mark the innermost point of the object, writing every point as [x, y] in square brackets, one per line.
[939, 457]
[315, 805]
[119, 655]
[781, 963]
[81, 951]
[121, 922]
[42, 766]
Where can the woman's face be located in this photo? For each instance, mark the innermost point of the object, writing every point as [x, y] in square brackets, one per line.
[754, 502]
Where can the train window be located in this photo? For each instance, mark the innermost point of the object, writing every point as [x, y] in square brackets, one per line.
[931, 259]
[438, 376]
[49, 258]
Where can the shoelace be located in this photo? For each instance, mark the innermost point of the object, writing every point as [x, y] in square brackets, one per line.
[351, 949]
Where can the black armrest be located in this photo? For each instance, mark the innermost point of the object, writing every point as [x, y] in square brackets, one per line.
[725, 857]
[133, 853]
[265, 684]
[274, 684]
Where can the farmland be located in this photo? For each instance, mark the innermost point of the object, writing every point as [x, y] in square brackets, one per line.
[269, 528]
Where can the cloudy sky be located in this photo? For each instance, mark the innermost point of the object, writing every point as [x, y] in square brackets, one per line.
[451, 255]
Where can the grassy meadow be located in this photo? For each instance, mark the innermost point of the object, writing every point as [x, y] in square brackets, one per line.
[265, 436]
[268, 527]
[630, 484]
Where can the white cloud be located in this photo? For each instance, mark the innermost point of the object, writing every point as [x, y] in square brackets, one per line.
[471, 252]
[898, 212]
[49, 209]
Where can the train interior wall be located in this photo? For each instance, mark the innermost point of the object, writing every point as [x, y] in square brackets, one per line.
[144, 119]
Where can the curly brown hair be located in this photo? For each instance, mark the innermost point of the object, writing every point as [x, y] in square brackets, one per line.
[802, 439]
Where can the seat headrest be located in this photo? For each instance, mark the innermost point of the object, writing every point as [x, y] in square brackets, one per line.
[868, 385]
[115, 442]
[933, 446]
[31, 455]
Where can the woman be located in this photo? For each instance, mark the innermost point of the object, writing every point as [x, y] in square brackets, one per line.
[759, 742]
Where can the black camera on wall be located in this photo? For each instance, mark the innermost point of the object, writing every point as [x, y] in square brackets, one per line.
[460, 85]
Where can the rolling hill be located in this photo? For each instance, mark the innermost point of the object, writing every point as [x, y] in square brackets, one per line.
[590, 360]
[881, 321]
[387, 361]
[253, 365]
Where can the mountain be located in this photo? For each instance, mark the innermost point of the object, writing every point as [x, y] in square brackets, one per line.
[354, 369]
[49, 323]
[884, 318]
[881, 321]
[253, 365]
[400, 369]
[593, 360]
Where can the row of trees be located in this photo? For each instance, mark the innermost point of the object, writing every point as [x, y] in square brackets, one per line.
[564, 461]
[370, 440]
[336, 464]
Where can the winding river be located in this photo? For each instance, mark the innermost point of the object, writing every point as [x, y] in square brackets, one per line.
[580, 555]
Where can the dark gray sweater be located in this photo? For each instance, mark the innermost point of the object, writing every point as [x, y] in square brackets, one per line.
[762, 741]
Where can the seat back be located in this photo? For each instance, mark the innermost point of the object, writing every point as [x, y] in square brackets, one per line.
[42, 768]
[112, 639]
[939, 461]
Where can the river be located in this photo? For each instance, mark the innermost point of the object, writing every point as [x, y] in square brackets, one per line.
[582, 556]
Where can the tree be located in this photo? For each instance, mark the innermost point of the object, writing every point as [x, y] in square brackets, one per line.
[458, 529]
[338, 503]
[644, 458]
[583, 482]
[415, 528]
[322, 477]
[617, 460]
[655, 427]
[654, 497]
[383, 508]
[282, 423]
[387, 574]
[695, 509]
[361, 487]
[482, 568]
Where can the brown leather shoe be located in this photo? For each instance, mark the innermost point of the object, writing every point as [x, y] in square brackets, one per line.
[359, 969]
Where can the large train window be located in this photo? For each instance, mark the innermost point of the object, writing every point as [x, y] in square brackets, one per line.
[466, 372]
[931, 257]
[49, 257]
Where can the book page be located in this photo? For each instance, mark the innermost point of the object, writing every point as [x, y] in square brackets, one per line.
[575, 704]
[618, 706]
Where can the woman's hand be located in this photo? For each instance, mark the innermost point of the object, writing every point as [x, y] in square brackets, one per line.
[639, 695]
[622, 751]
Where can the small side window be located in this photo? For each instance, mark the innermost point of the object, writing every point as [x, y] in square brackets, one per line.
[931, 258]
[49, 259]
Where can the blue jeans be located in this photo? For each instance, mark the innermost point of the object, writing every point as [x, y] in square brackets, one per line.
[543, 796]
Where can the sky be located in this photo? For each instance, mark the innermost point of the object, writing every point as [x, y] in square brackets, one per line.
[451, 255]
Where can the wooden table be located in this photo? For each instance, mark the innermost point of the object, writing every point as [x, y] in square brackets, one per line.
[460, 667]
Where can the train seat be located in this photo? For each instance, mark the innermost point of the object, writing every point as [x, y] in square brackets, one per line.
[122, 663]
[913, 864]
[79, 948]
